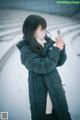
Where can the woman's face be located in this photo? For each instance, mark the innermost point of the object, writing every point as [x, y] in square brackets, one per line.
[39, 33]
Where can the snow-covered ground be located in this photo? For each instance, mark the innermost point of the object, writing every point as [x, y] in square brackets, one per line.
[14, 97]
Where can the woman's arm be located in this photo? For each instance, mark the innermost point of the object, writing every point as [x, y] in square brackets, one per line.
[42, 65]
[62, 57]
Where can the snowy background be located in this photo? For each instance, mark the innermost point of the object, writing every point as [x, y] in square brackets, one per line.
[14, 97]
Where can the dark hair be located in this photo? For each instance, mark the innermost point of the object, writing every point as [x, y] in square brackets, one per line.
[29, 26]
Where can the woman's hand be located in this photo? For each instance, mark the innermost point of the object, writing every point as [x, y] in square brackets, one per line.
[59, 42]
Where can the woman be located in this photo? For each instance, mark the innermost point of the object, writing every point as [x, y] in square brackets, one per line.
[41, 55]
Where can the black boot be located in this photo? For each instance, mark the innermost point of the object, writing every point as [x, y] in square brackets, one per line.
[49, 117]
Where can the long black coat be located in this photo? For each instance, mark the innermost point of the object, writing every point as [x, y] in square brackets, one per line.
[43, 76]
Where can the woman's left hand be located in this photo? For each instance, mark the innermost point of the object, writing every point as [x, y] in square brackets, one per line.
[59, 41]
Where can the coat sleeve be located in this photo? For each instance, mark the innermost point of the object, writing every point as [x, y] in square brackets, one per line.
[37, 64]
[62, 57]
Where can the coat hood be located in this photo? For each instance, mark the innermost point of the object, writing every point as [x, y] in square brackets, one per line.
[21, 43]
[25, 42]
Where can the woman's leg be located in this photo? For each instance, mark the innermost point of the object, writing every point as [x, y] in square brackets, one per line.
[51, 116]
